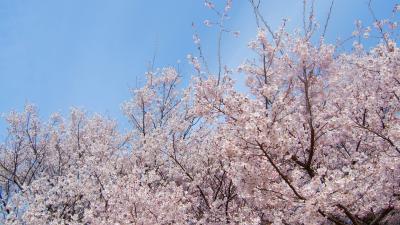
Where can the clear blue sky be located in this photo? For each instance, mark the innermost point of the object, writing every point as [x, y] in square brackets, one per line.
[87, 53]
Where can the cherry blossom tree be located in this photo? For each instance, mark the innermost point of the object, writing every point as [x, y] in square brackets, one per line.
[314, 140]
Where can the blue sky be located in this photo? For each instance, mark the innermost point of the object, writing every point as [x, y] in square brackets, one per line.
[88, 53]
